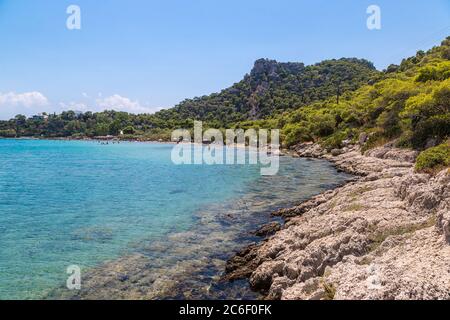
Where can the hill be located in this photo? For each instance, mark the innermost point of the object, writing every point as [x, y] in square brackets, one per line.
[329, 102]
[273, 87]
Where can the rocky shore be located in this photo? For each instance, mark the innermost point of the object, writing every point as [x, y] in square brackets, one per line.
[188, 262]
[385, 235]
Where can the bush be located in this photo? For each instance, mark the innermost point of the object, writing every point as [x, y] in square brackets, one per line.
[437, 127]
[404, 141]
[322, 125]
[8, 133]
[439, 72]
[376, 139]
[434, 159]
[429, 104]
[78, 136]
[446, 53]
[335, 141]
[295, 133]
[129, 130]
[389, 122]
[158, 134]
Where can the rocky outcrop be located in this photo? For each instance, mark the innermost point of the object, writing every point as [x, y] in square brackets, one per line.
[387, 152]
[384, 236]
[268, 229]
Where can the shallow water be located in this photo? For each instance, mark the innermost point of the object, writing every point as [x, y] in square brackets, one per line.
[68, 202]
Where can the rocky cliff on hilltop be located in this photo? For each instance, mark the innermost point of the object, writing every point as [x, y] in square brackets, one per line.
[272, 87]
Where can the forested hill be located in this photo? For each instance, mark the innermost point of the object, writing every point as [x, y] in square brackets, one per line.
[272, 87]
[330, 102]
[268, 90]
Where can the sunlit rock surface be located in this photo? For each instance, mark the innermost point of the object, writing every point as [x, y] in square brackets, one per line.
[385, 236]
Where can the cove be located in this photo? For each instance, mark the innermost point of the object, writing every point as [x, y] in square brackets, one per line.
[128, 207]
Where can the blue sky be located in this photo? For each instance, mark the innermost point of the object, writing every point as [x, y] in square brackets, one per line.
[143, 55]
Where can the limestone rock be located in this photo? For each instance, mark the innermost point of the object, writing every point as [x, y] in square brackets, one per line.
[384, 236]
[268, 229]
[336, 152]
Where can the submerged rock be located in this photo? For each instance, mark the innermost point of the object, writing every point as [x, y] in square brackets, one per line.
[189, 264]
[243, 264]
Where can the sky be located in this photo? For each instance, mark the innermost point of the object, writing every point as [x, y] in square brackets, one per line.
[145, 55]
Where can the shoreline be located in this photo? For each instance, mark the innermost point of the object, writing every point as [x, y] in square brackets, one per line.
[348, 243]
[383, 234]
[85, 139]
[282, 153]
[189, 265]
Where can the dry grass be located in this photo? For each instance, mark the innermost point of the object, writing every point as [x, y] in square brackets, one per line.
[330, 290]
[377, 238]
[362, 190]
[354, 207]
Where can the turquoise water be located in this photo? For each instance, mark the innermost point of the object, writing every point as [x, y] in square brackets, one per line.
[70, 202]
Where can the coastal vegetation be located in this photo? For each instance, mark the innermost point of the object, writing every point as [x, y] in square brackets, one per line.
[329, 102]
[270, 89]
[409, 103]
[434, 159]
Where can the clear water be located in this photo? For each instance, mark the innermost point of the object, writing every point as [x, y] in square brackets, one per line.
[70, 202]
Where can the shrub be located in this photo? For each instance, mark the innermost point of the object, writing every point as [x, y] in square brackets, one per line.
[404, 141]
[78, 136]
[434, 159]
[334, 141]
[441, 96]
[392, 68]
[322, 125]
[129, 130]
[376, 139]
[446, 53]
[389, 122]
[437, 127]
[439, 72]
[8, 133]
[295, 133]
[429, 104]
[158, 134]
